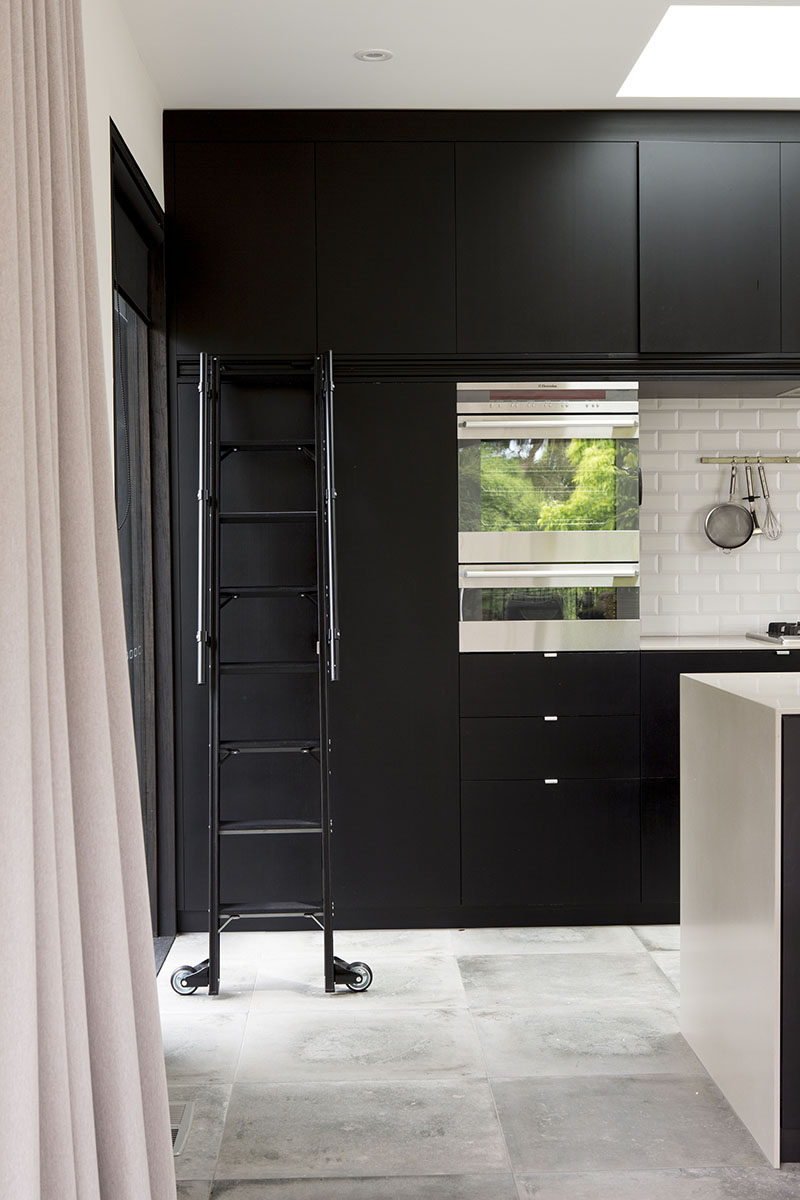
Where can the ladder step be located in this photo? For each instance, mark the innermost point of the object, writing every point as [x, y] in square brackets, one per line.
[274, 444]
[269, 668]
[263, 518]
[280, 908]
[270, 827]
[254, 592]
[269, 747]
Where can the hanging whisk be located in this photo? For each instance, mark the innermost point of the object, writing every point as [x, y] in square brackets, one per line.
[771, 527]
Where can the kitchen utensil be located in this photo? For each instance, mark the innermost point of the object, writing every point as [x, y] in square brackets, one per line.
[730, 524]
[751, 500]
[772, 525]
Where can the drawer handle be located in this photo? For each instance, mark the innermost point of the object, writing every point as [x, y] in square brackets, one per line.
[551, 718]
[782, 651]
[551, 781]
[550, 654]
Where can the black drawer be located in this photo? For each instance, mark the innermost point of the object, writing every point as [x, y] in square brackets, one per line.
[529, 843]
[575, 683]
[537, 748]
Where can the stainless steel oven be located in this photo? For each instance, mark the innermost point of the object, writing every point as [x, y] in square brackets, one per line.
[549, 493]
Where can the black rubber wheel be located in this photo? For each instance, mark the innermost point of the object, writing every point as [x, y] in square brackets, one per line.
[177, 979]
[364, 977]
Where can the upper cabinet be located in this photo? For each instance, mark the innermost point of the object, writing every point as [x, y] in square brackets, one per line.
[242, 259]
[546, 247]
[710, 230]
[385, 247]
[790, 246]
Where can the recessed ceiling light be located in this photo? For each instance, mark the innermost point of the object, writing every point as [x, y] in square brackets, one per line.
[721, 51]
[373, 55]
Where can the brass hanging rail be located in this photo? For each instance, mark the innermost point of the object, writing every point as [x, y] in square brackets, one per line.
[754, 458]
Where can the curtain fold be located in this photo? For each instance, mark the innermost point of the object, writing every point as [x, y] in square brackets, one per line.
[83, 1100]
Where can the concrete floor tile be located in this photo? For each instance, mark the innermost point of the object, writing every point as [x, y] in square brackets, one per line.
[556, 980]
[669, 961]
[424, 981]
[659, 937]
[722, 1184]
[355, 1042]
[343, 1129]
[198, 1159]
[393, 1187]
[615, 1123]
[194, 1189]
[202, 1047]
[547, 940]
[585, 1040]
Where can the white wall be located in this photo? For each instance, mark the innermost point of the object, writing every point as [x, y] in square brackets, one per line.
[689, 586]
[119, 88]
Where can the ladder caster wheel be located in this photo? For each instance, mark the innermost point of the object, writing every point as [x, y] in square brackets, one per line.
[364, 977]
[178, 980]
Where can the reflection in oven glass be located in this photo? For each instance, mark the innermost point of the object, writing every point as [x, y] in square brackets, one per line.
[548, 484]
[550, 604]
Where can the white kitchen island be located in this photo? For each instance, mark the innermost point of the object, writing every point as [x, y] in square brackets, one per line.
[740, 889]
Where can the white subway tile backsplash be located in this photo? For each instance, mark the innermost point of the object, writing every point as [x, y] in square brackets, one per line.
[686, 441]
[685, 580]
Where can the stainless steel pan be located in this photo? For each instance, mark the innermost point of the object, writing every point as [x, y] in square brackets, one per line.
[730, 524]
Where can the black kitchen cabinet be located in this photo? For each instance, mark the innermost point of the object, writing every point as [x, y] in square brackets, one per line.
[790, 246]
[546, 247]
[660, 769]
[530, 843]
[242, 257]
[597, 747]
[566, 684]
[386, 247]
[394, 711]
[710, 242]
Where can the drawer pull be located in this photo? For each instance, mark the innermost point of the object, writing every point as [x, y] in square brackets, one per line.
[551, 718]
[551, 781]
[550, 654]
[782, 652]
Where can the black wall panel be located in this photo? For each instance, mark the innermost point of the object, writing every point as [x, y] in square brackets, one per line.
[710, 247]
[546, 247]
[394, 712]
[790, 247]
[386, 247]
[242, 261]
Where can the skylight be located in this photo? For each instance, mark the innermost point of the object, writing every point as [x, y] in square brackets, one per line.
[723, 51]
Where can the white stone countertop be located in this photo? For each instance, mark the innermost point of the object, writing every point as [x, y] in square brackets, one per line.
[778, 690]
[712, 642]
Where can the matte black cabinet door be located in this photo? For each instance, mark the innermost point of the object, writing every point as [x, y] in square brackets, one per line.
[386, 247]
[538, 748]
[243, 260]
[661, 846]
[579, 683]
[530, 843]
[661, 672]
[710, 247]
[394, 711]
[546, 247]
[790, 246]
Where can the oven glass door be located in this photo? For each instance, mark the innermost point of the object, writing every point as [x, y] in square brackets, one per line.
[548, 487]
[549, 607]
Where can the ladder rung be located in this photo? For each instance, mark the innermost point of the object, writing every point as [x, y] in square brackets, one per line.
[281, 908]
[269, 668]
[255, 591]
[270, 827]
[262, 518]
[269, 747]
[273, 444]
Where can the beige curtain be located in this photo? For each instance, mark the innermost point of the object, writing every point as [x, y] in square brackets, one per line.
[83, 1102]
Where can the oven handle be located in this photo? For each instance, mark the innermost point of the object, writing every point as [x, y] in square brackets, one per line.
[627, 570]
[604, 420]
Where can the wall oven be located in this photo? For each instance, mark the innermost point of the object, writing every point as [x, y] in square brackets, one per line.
[549, 493]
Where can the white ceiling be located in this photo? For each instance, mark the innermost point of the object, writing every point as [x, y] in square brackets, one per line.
[479, 54]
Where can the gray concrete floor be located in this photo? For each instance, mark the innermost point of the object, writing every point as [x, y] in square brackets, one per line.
[486, 1064]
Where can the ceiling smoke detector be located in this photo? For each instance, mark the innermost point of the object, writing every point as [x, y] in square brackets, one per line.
[373, 55]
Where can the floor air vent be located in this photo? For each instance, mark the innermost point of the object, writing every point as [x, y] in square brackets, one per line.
[180, 1118]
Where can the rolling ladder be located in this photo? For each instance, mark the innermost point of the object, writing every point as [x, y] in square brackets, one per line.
[267, 584]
